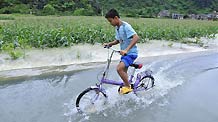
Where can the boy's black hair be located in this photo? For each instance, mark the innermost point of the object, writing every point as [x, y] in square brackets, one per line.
[112, 13]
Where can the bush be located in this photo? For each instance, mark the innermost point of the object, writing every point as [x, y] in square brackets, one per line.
[19, 8]
[48, 10]
[79, 11]
[83, 12]
[22, 8]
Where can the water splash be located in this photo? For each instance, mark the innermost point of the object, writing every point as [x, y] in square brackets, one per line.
[121, 106]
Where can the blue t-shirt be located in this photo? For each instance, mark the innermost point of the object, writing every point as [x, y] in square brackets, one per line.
[124, 35]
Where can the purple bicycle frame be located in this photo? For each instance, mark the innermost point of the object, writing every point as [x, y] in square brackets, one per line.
[118, 83]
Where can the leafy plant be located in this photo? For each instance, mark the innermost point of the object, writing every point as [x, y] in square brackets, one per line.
[51, 31]
[15, 54]
[6, 17]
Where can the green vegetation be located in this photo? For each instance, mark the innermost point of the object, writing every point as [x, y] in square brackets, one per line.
[130, 8]
[6, 17]
[52, 31]
[150, 8]
[21, 29]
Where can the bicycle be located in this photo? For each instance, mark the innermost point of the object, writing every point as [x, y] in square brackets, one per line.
[95, 94]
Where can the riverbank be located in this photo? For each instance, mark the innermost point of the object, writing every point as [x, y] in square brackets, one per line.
[87, 53]
[79, 57]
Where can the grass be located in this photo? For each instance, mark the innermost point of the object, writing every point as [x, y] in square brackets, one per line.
[62, 31]
[6, 17]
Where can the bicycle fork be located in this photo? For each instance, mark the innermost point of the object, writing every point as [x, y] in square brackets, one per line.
[101, 89]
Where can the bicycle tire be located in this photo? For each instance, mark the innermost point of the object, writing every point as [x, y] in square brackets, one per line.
[87, 100]
[146, 83]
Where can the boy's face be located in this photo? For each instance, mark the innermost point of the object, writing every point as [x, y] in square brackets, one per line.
[113, 21]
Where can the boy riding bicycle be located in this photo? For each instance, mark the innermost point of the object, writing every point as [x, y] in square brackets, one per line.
[127, 37]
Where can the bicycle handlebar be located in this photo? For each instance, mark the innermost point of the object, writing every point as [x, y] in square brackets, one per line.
[110, 47]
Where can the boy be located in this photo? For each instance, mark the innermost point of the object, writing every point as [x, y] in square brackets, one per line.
[127, 37]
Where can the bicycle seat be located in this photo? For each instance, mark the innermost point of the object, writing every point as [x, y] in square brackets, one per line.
[136, 66]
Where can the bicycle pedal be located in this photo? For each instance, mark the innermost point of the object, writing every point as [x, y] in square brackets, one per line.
[132, 86]
[119, 89]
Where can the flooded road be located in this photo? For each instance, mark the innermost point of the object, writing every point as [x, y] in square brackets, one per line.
[185, 91]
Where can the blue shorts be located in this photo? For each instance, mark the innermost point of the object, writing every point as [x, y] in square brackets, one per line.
[128, 59]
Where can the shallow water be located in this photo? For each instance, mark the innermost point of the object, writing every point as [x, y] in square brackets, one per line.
[185, 91]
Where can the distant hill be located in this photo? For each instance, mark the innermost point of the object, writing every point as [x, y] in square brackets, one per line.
[150, 8]
[144, 8]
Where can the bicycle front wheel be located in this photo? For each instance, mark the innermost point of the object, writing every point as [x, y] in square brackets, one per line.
[90, 100]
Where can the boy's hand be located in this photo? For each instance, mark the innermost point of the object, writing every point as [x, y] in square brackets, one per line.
[106, 45]
[123, 52]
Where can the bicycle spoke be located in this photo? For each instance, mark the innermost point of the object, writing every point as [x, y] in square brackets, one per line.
[145, 84]
[89, 100]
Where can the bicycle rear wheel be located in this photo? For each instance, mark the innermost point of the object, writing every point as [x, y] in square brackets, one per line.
[145, 83]
[90, 100]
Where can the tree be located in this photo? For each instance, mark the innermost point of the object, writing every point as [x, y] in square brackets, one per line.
[125, 7]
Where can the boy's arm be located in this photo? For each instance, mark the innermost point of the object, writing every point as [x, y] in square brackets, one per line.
[112, 43]
[132, 43]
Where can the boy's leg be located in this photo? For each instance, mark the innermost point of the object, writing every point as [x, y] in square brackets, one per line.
[122, 71]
